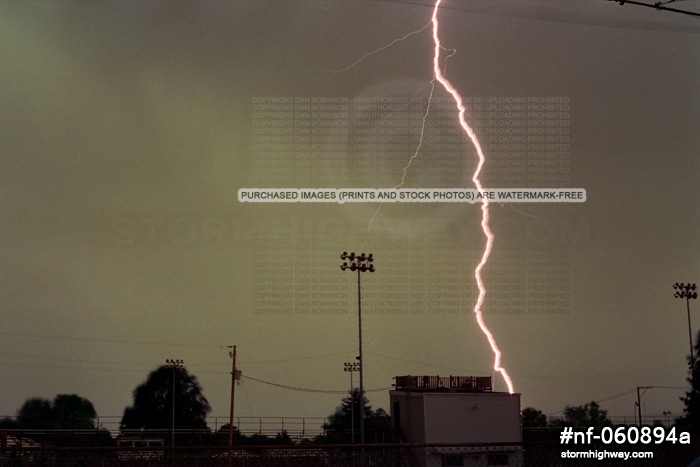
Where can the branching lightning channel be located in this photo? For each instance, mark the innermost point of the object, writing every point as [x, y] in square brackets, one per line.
[440, 77]
[418, 146]
[376, 51]
[414, 156]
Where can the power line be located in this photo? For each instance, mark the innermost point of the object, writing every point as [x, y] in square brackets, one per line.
[106, 341]
[431, 365]
[599, 375]
[133, 370]
[525, 10]
[151, 343]
[657, 6]
[66, 367]
[296, 388]
[59, 359]
[605, 399]
[285, 360]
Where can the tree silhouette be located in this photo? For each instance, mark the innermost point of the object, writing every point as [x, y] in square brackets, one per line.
[153, 403]
[533, 418]
[73, 416]
[36, 413]
[346, 418]
[584, 416]
[535, 426]
[67, 411]
[691, 420]
[73, 412]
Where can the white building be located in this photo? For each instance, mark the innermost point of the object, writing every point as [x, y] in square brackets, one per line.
[462, 411]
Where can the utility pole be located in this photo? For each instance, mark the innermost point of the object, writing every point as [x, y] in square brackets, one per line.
[639, 402]
[359, 263]
[235, 375]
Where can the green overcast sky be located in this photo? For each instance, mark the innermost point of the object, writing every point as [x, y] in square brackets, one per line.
[127, 132]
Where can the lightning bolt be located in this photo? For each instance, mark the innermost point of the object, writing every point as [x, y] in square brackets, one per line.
[459, 102]
[439, 76]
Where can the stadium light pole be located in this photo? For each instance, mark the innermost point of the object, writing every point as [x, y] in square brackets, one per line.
[360, 263]
[687, 291]
[174, 365]
[352, 367]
